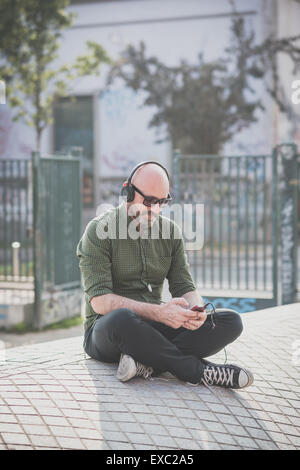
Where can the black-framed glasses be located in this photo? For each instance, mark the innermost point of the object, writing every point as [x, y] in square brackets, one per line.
[152, 200]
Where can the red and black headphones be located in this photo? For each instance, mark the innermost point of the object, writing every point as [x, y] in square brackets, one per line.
[127, 188]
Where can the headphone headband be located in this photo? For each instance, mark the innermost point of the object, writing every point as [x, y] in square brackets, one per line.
[145, 163]
[127, 188]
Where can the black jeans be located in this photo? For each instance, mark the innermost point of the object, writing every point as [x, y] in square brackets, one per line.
[155, 344]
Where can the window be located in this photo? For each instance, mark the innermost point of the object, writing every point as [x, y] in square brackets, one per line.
[73, 134]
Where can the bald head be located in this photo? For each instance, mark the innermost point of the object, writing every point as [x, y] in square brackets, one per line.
[152, 180]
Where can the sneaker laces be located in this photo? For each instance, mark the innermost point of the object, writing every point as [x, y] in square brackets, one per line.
[143, 370]
[216, 375]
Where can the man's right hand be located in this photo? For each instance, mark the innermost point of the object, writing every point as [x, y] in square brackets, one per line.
[175, 313]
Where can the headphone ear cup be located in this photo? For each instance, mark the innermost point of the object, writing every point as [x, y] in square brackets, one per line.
[124, 191]
[130, 193]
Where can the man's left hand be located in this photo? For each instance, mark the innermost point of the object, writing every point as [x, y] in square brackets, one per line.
[195, 324]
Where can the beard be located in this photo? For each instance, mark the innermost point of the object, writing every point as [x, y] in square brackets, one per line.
[143, 218]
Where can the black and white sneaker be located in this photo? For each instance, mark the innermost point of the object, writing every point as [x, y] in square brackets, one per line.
[227, 375]
[129, 368]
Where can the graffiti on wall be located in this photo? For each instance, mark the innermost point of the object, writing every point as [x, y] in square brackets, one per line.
[125, 138]
[241, 305]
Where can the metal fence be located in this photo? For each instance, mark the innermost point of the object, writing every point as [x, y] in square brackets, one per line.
[59, 211]
[251, 227]
[57, 207]
[241, 252]
[16, 221]
[40, 226]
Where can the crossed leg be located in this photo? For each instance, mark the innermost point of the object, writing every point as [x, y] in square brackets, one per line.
[159, 346]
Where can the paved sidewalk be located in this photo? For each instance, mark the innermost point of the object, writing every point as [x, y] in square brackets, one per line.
[12, 340]
[51, 397]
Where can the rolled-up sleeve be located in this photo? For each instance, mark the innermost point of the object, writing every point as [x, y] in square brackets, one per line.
[95, 262]
[179, 276]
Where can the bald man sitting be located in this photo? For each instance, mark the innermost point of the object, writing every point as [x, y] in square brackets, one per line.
[123, 277]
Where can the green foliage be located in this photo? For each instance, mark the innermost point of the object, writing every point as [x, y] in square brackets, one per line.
[259, 61]
[22, 327]
[202, 106]
[67, 323]
[30, 31]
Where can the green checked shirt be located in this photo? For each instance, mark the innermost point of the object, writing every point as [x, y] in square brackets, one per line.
[112, 262]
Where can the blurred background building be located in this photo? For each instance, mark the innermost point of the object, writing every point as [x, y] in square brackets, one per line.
[110, 128]
[249, 258]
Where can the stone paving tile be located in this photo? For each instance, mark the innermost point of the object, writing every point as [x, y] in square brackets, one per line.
[7, 418]
[19, 447]
[109, 426]
[248, 422]
[169, 420]
[62, 431]
[144, 447]
[76, 413]
[268, 425]
[131, 427]
[88, 433]
[176, 431]
[136, 408]
[139, 438]
[289, 429]
[295, 440]
[279, 437]
[45, 441]
[164, 441]
[115, 436]
[148, 418]
[56, 420]
[187, 444]
[246, 442]
[10, 427]
[15, 438]
[92, 444]
[119, 445]
[80, 423]
[192, 423]
[70, 443]
[286, 447]
[19, 410]
[155, 429]
[182, 412]
[37, 429]
[124, 417]
[59, 399]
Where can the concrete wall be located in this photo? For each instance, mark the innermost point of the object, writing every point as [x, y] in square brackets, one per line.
[172, 30]
[289, 25]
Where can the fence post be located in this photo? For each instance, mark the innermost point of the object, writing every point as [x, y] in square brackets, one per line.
[37, 320]
[288, 185]
[176, 175]
[275, 226]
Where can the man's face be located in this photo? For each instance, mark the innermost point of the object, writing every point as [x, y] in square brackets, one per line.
[144, 215]
[149, 181]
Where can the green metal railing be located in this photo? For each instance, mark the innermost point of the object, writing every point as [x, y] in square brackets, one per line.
[240, 255]
[16, 216]
[238, 217]
[57, 229]
[60, 219]
[298, 226]
[40, 226]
